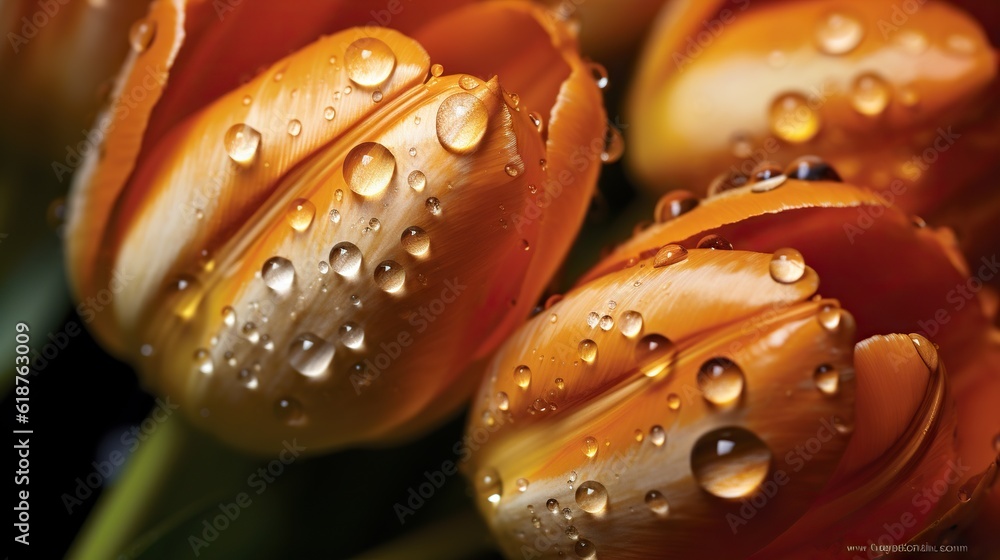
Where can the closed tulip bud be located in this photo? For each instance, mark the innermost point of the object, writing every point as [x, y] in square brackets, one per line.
[701, 393]
[322, 250]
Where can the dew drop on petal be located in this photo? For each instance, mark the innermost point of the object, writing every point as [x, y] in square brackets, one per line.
[461, 123]
[351, 335]
[294, 127]
[590, 446]
[787, 266]
[792, 119]
[289, 411]
[242, 142]
[839, 34]
[433, 206]
[141, 34]
[827, 379]
[522, 376]
[488, 485]
[592, 497]
[588, 350]
[657, 435]
[730, 462]
[310, 355]
[654, 354]
[369, 61]
[368, 168]
[278, 273]
[657, 503]
[669, 254]
[870, 94]
[674, 204]
[584, 548]
[345, 258]
[415, 241]
[630, 323]
[715, 242]
[927, 351]
[720, 381]
[389, 276]
[300, 214]
[417, 180]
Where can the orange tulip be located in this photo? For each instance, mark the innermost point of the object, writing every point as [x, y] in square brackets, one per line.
[701, 394]
[898, 96]
[318, 246]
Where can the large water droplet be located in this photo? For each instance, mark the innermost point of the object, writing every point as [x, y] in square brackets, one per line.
[433, 206]
[329, 113]
[229, 316]
[522, 376]
[368, 168]
[730, 462]
[242, 142]
[588, 350]
[345, 258]
[417, 180]
[467, 82]
[590, 446]
[721, 381]
[674, 204]
[415, 241]
[488, 485]
[787, 266]
[552, 505]
[310, 355]
[669, 254]
[300, 214]
[584, 548]
[811, 168]
[829, 317]
[869, 94]
[927, 351]
[369, 61]
[278, 273]
[630, 323]
[389, 276]
[614, 145]
[715, 242]
[351, 335]
[657, 503]
[827, 379]
[653, 353]
[461, 123]
[839, 34]
[294, 127]
[606, 323]
[592, 496]
[657, 435]
[792, 119]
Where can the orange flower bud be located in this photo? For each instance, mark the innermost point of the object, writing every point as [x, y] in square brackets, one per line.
[321, 251]
[699, 393]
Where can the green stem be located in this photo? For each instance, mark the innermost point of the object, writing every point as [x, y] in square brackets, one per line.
[461, 536]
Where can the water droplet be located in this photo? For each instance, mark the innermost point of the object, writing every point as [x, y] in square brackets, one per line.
[335, 216]
[592, 497]
[503, 401]
[552, 505]
[338, 195]
[467, 82]
[715, 242]
[294, 127]
[369, 62]
[912, 42]
[630, 323]
[842, 426]
[289, 411]
[310, 355]
[606, 323]
[590, 446]
[141, 34]
[600, 75]
[536, 119]
[250, 331]
[730, 462]
[592, 319]
[829, 317]
[673, 401]
[585, 549]
[368, 168]
[588, 350]
[522, 484]
[437, 70]
[787, 266]
[229, 316]
[461, 123]
[488, 485]
[351, 335]
[614, 145]
[811, 168]
[377, 96]
[512, 169]
[657, 435]
[247, 379]
[433, 206]
[869, 94]
[765, 170]
[300, 214]
[657, 502]
[522, 376]
[827, 379]
[652, 353]
[203, 361]
[345, 258]
[389, 276]
[415, 240]
[768, 184]
[242, 142]
[961, 45]
[566, 512]
[278, 273]
[721, 381]
[726, 181]
[839, 34]
[572, 533]
[247, 100]
[668, 255]
[417, 180]
[674, 204]
[792, 119]
[927, 351]
[374, 224]
[323, 267]
[329, 113]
